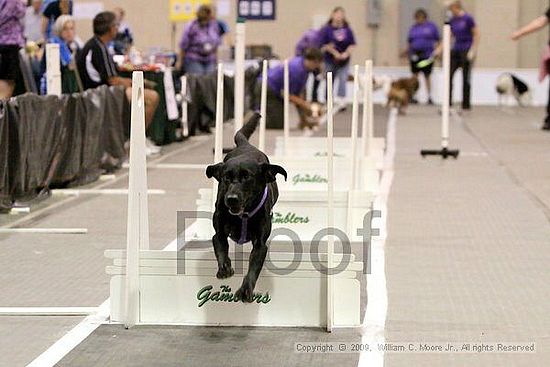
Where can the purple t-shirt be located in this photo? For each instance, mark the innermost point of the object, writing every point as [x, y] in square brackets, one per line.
[200, 43]
[310, 39]
[11, 28]
[461, 28]
[422, 39]
[297, 77]
[341, 38]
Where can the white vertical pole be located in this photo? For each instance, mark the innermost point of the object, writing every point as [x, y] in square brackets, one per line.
[138, 220]
[286, 116]
[354, 126]
[218, 141]
[240, 41]
[369, 108]
[446, 86]
[330, 214]
[364, 121]
[184, 115]
[53, 70]
[263, 107]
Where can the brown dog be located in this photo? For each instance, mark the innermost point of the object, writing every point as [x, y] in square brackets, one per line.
[401, 92]
[310, 120]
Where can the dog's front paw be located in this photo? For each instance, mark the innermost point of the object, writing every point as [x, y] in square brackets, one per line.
[245, 293]
[225, 271]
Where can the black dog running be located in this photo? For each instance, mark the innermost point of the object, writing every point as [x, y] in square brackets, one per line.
[247, 193]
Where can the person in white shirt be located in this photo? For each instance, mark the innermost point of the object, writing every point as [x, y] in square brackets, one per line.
[33, 22]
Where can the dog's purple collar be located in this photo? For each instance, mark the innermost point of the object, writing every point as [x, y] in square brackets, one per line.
[245, 216]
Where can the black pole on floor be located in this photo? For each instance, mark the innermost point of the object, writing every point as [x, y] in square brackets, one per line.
[443, 152]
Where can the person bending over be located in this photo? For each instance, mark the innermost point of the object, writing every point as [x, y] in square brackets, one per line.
[536, 25]
[299, 68]
[310, 39]
[96, 67]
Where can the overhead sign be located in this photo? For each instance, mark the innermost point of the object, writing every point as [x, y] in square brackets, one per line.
[185, 10]
[256, 9]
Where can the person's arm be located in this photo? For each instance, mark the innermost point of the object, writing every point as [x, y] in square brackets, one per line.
[184, 44]
[299, 101]
[535, 25]
[45, 22]
[117, 80]
[473, 50]
[347, 54]
[326, 45]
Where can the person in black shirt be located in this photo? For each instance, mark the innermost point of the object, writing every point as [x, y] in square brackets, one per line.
[96, 66]
[535, 25]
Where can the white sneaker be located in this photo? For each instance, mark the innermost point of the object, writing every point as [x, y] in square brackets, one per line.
[152, 147]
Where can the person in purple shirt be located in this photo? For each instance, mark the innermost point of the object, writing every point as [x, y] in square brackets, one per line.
[463, 53]
[310, 39]
[338, 41]
[534, 26]
[199, 44]
[11, 40]
[299, 68]
[423, 40]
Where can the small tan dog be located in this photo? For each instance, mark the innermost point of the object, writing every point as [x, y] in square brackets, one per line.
[310, 120]
[401, 92]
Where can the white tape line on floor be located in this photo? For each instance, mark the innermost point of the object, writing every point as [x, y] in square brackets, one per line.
[377, 306]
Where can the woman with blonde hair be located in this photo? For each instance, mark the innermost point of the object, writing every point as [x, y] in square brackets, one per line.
[65, 36]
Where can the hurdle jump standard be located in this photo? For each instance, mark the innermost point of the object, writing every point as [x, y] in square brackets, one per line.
[308, 172]
[313, 146]
[445, 152]
[148, 287]
[302, 207]
[53, 70]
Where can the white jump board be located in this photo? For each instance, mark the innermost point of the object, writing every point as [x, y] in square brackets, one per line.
[303, 212]
[317, 147]
[310, 174]
[171, 293]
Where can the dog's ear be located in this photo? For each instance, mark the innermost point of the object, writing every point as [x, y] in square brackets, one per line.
[215, 171]
[270, 172]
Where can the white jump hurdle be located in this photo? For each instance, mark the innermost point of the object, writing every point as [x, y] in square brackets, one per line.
[300, 146]
[53, 70]
[151, 287]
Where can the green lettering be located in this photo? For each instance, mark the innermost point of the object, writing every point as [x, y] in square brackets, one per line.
[203, 295]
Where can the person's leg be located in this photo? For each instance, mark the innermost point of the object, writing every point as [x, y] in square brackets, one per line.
[275, 111]
[151, 98]
[9, 66]
[6, 89]
[466, 86]
[209, 68]
[455, 64]
[546, 125]
[330, 68]
[315, 91]
[342, 74]
[427, 77]
[194, 67]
